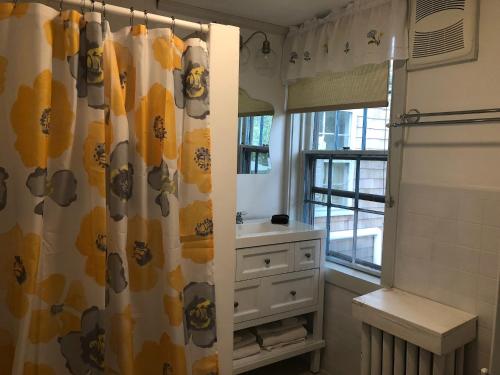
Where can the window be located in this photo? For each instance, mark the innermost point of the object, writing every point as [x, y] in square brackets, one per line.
[345, 178]
[253, 140]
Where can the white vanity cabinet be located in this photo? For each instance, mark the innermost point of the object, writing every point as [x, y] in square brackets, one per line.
[278, 275]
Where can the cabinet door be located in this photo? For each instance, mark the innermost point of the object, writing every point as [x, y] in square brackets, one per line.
[307, 255]
[262, 261]
[290, 291]
[247, 300]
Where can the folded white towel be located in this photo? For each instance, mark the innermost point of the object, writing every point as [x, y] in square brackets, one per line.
[283, 344]
[280, 326]
[243, 338]
[292, 334]
[246, 351]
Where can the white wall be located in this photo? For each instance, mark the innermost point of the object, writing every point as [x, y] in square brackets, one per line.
[342, 333]
[448, 222]
[261, 196]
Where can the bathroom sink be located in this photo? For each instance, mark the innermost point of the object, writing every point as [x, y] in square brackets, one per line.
[259, 228]
[263, 232]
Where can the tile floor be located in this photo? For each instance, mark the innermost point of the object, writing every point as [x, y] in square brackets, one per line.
[293, 366]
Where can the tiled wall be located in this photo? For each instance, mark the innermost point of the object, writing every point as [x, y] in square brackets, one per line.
[447, 250]
[342, 333]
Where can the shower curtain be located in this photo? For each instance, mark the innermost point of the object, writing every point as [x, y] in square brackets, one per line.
[106, 235]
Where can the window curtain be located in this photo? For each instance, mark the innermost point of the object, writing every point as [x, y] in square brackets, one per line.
[106, 234]
[364, 32]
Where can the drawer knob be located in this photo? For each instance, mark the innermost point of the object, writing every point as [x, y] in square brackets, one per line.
[236, 304]
[267, 261]
[308, 255]
[293, 293]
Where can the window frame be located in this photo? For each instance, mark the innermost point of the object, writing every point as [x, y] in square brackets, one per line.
[246, 148]
[310, 157]
[297, 137]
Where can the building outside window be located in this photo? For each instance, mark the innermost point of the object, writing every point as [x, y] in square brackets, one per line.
[253, 144]
[345, 178]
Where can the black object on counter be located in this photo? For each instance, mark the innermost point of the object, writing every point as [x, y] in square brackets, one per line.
[280, 219]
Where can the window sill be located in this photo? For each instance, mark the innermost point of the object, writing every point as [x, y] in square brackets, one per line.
[355, 281]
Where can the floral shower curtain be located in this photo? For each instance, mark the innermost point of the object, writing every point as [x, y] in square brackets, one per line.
[106, 235]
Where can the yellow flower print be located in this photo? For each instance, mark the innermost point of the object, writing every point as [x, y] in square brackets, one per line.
[206, 366]
[92, 243]
[196, 231]
[7, 349]
[37, 369]
[173, 305]
[155, 126]
[18, 269]
[119, 69]
[96, 148]
[3, 68]
[12, 10]
[144, 253]
[138, 30]
[195, 161]
[168, 52]
[122, 339]
[63, 34]
[46, 128]
[60, 316]
[161, 358]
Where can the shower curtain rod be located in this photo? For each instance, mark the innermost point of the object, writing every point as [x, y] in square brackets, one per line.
[135, 14]
[412, 118]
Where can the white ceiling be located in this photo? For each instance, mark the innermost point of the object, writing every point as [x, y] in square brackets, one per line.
[278, 12]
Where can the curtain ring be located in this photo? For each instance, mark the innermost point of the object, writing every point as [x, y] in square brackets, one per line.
[103, 10]
[201, 27]
[82, 7]
[173, 26]
[131, 16]
[15, 4]
[146, 19]
[93, 5]
[61, 7]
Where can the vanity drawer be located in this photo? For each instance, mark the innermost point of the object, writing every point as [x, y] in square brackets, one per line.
[262, 261]
[307, 255]
[291, 291]
[247, 300]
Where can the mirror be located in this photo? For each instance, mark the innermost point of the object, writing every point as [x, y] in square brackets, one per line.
[255, 118]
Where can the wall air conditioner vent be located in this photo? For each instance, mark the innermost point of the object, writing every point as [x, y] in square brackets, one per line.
[442, 32]
[428, 7]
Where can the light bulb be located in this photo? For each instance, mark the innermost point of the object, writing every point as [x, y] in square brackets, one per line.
[265, 59]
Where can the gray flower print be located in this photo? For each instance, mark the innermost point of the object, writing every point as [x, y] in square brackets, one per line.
[293, 57]
[87, 65]
[3, 188]
[160, 180]
[191, 83]
[199, 314]
[115, 273]
[61, 187]
[84, 349]
[374, 37]
[119, 181]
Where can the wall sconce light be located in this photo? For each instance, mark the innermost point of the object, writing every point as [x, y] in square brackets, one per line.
[264, 58]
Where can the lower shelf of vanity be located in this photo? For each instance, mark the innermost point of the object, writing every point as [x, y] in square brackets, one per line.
[265, 358]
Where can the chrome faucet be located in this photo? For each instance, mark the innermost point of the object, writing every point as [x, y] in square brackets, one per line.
[239, 217]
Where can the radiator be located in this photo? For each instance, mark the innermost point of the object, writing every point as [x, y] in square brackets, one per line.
[405, 334]
[385, 354]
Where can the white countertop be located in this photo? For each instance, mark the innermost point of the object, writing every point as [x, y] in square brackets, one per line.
[262, 232]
